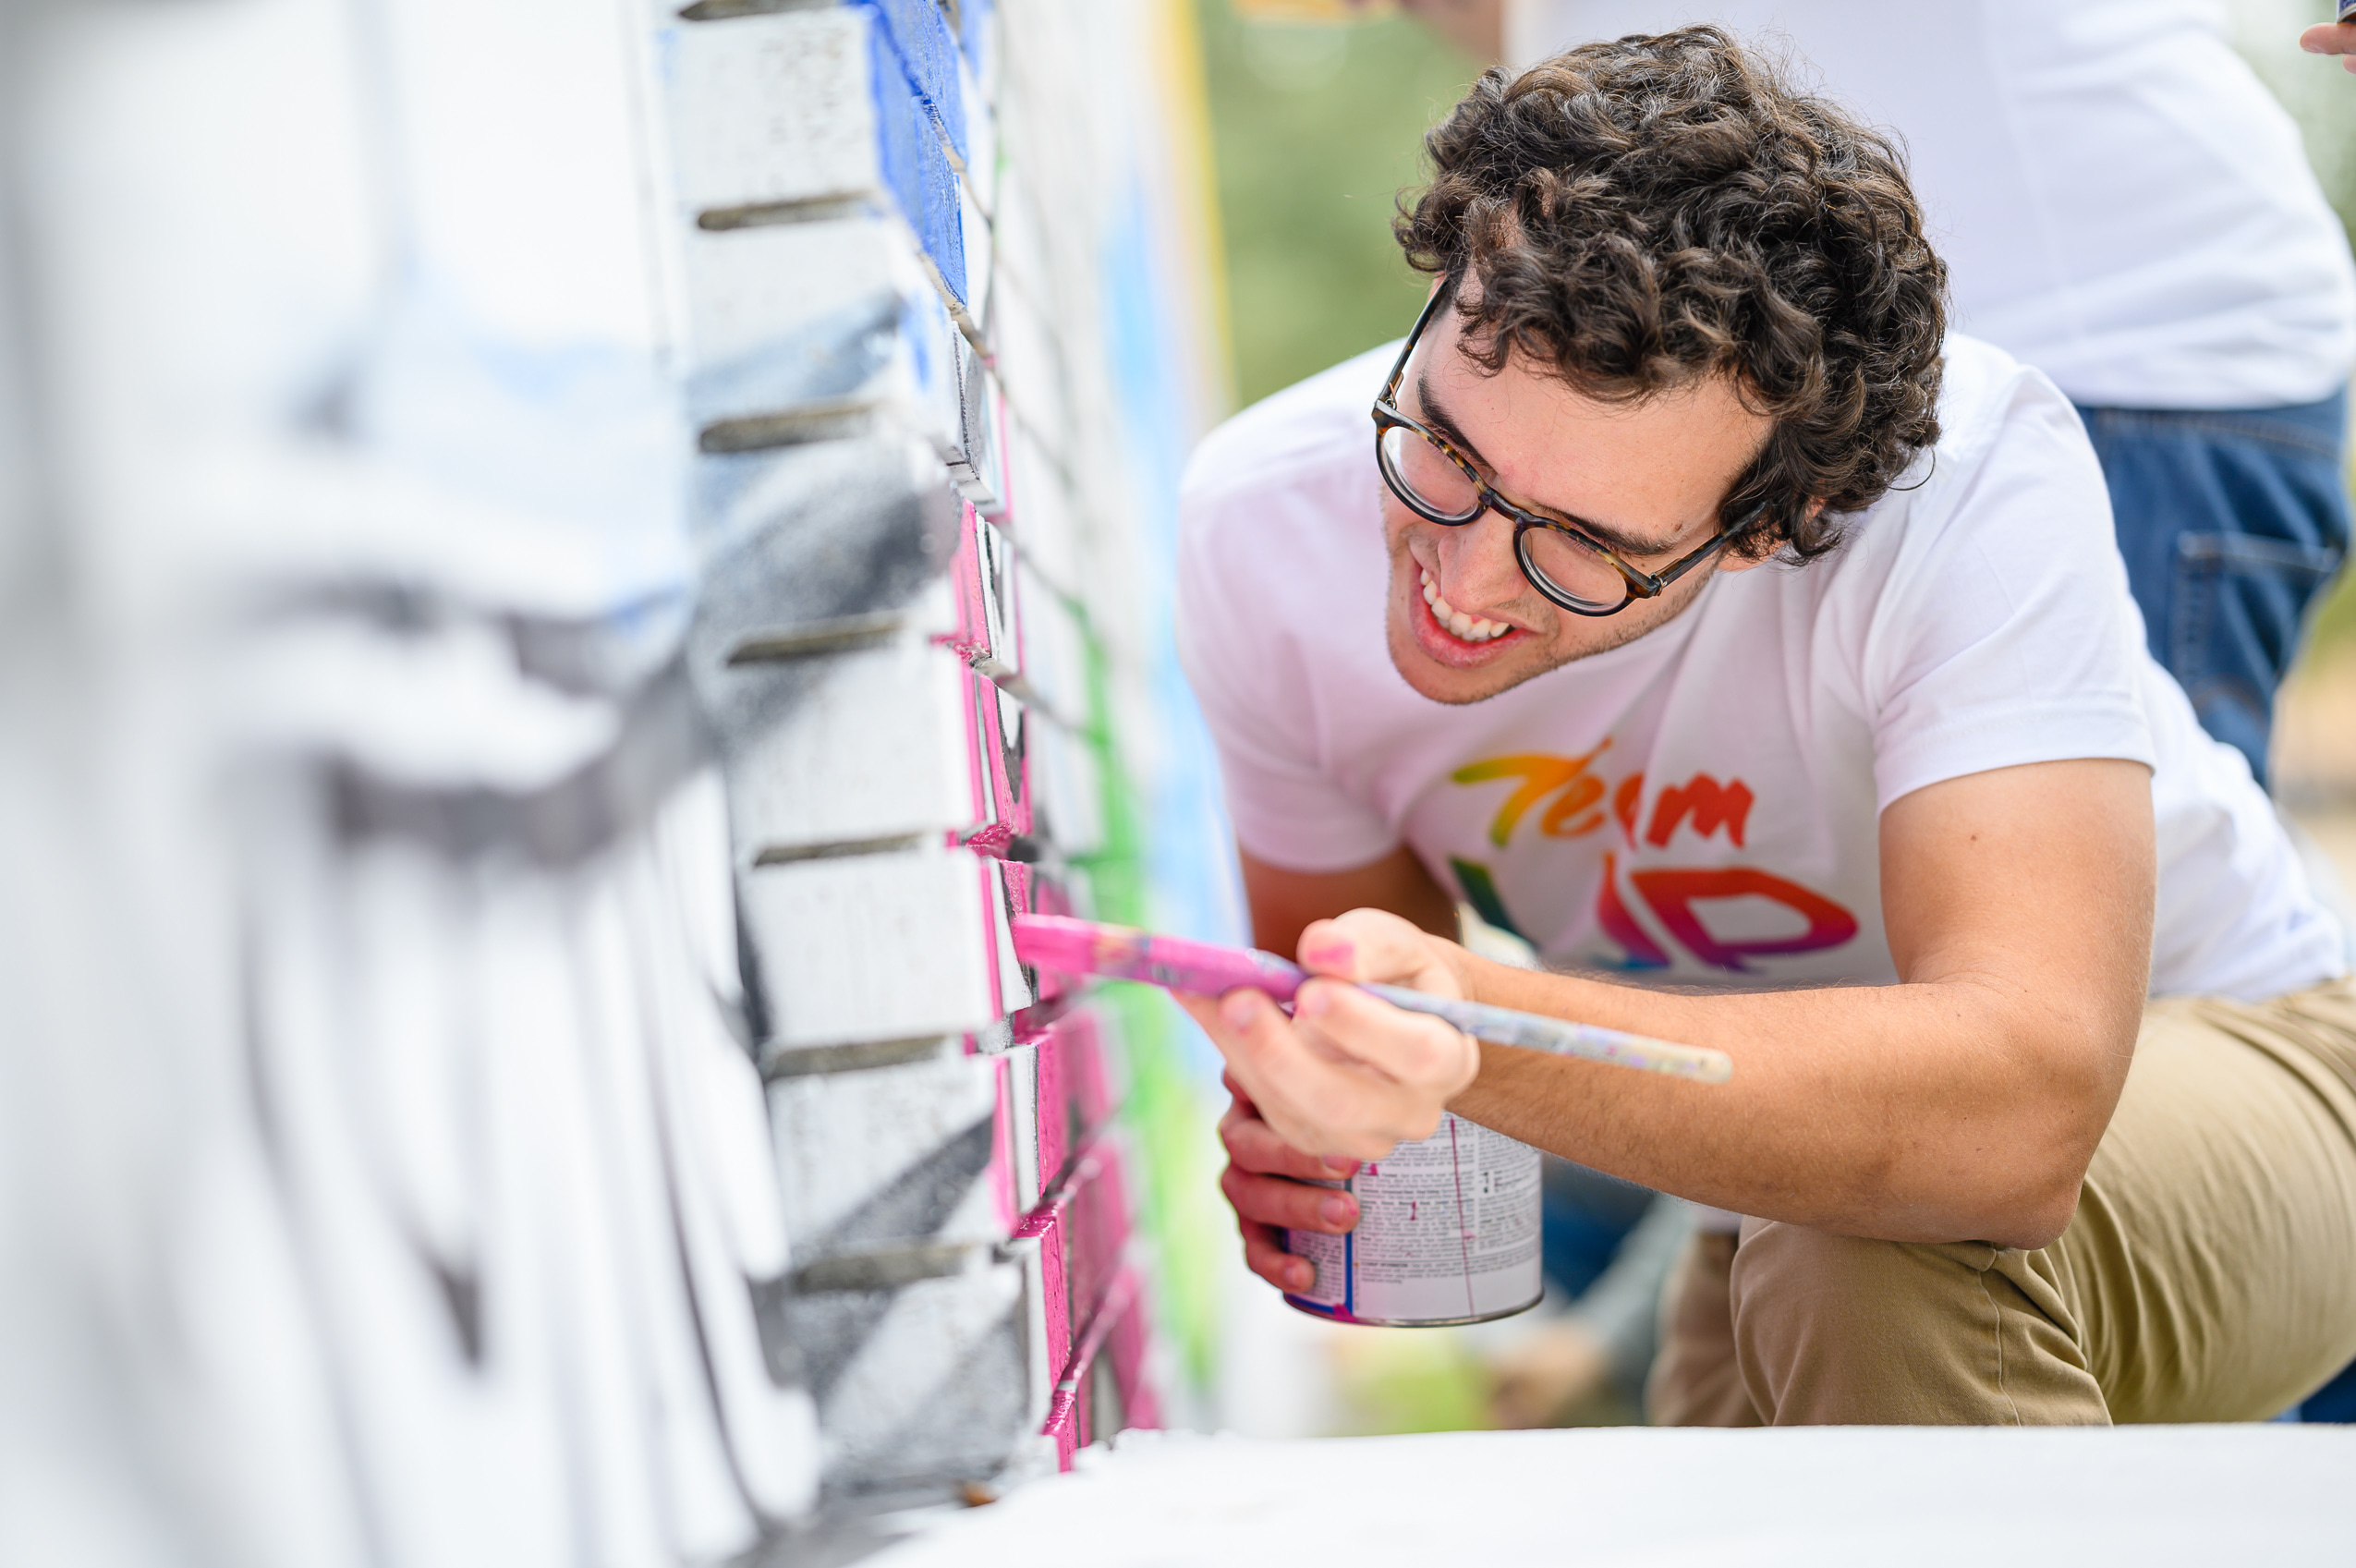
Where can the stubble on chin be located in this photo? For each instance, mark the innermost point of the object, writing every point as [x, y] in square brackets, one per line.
[1534, 657]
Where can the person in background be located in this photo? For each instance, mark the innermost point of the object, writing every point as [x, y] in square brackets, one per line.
[2121, 204]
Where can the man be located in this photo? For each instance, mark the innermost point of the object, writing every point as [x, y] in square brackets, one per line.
[2122, 205]
[1710, 617]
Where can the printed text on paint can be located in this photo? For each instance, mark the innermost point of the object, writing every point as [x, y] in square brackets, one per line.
[1447, 1230]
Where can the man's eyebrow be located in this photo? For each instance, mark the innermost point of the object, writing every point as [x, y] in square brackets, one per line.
[1436, 416]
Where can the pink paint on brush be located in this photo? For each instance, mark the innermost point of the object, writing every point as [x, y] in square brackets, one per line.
[1083, 947]
[1201, 969]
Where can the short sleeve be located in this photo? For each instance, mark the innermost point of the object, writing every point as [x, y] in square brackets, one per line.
[1254, 675]
[2004, 633]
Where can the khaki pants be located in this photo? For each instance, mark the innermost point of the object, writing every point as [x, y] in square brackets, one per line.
[2208, 1275]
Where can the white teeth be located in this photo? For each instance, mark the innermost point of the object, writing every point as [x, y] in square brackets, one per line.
[1464, 628]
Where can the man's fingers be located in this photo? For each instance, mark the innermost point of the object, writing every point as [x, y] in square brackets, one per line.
[1413, 1050]
[1327, 1096]
[1373, 945]
[1351, 1080]
[1264, 1255]
[1253, 1146]
[1215, 1016]
[1271, 1200]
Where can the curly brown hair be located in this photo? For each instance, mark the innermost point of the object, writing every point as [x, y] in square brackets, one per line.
[1645, 211]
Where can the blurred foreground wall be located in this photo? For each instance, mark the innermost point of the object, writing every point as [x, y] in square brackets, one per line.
[563, 571]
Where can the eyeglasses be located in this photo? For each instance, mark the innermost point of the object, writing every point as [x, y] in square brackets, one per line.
[1440, 485]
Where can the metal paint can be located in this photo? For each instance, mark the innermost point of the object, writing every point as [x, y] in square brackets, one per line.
[1447, 1232]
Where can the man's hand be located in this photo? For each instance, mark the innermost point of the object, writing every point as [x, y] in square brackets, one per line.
[2332, 38]
[1348, 1076]
[1265, 1184]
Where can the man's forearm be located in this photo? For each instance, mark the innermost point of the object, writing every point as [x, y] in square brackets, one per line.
[1942, 1112]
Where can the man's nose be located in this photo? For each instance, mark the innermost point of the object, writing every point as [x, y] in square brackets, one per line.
[1477, 572]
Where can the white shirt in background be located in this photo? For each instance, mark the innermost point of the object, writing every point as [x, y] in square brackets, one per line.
[2121, 203]
[1702, 803]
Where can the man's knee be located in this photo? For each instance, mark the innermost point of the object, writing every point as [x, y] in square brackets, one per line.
[1831, 1328]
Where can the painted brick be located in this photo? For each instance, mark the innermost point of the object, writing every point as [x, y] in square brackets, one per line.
[1095, 1229]
[1019, 247]
[1043, 514]
[1093, 1317]
[922, 1386]
[797, 539]
[895, 1158]
[1053, 665]
[1009, 885]
[977, 36]
[879, 947]
[929, 53]
[773, 116]
[976, 240]
[1018, 1106]
[1067, 810]
[851, 748]
[976, 466]
[989, 631]
[776, 110]
[980, 158]
[801, 331]
[1073, 1094]
[1101, 1390]
[998, 737]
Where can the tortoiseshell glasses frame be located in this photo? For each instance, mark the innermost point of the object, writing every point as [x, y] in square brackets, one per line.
[1635, 582]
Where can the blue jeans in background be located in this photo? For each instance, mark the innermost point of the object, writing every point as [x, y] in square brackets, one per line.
[2231, 522]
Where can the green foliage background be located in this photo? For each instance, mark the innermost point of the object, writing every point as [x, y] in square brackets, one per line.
[1317, 129]
[1315, 132]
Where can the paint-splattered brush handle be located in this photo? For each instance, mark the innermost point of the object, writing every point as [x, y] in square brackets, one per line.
[1083, 947]
[1592, 1042]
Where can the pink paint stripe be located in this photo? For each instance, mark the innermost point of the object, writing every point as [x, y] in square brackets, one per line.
[1063, 1407]
[1085, 1165]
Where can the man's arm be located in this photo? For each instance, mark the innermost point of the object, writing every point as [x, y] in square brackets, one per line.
[1963, 1104]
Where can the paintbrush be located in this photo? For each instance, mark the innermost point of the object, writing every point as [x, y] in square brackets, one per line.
[1202, 968]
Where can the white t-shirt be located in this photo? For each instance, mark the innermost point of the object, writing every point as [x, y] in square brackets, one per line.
[2119, 201]
[1701, 803]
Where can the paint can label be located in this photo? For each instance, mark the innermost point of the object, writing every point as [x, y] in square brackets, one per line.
[1447, 1232]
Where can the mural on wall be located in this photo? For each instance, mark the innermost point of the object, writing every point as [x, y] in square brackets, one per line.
[569, 573]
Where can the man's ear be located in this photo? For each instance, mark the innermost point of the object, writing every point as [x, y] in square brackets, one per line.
[1734, 561]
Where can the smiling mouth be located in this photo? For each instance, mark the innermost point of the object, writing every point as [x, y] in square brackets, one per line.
[1473, 630]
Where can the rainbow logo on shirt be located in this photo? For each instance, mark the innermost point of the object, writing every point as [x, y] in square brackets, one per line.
[1565, 797]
